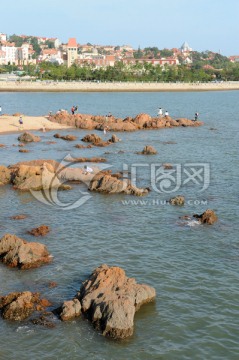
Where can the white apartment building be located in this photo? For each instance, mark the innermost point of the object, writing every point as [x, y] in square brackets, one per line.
[10, 54]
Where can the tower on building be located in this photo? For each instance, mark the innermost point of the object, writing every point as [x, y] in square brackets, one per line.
[71, 52]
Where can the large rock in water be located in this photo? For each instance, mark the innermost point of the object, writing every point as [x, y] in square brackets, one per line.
[5, 175]
[107, 183]
[149, 150]
[19, 306]
[16, 252]
[28, 137]
[110, 299]
[35, 178]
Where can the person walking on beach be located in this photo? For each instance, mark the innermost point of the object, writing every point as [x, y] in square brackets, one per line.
[20, 123]
[160, 112]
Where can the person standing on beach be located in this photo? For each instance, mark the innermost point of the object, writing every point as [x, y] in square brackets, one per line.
[166, 113]
[20, 123]
[73, 110]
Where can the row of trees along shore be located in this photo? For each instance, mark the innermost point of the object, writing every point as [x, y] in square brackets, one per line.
[219, 68]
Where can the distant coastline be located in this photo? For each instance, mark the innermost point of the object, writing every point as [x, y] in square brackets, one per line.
[77, 86]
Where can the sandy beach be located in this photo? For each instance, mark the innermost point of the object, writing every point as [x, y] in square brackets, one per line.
[10, 123]
[78, 86]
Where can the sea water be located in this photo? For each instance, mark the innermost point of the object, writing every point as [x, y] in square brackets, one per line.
[193, 267]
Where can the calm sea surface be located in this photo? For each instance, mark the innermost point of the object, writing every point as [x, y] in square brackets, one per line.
[194, 268]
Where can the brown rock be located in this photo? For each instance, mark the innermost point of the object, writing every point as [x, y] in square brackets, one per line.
[208, 217]
[149, 150]
[28, 137]
[5, 175]
[2, 145]
[142, 120]
[186, 122]
[16, 252]
[40, 230]
[93, 138]
[110, 299]
[18, 306]
[70, 310]
[106, 183]
[36, 178]
[167, 166]
[19, 217]
[82, 159]
[114, 139]
[177, 200]
[65, 137]
[39, 162]
[24, 150]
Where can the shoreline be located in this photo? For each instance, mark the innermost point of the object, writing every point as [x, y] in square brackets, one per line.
[9, 124]
[77, 86]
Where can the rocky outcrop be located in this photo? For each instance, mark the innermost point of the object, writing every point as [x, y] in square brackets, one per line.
[65, 137]
[5, 175]
[187, 122]
[18, 306]
[178, 200]
[107, 183]
[80, 146]
[95, 140]
[110, 299]
[27, 137]
[35, 178]
[16, 252]
[41, 230]
[208, 217]
[139, 122]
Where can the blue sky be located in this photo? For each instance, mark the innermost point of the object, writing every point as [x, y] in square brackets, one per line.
[204, 24]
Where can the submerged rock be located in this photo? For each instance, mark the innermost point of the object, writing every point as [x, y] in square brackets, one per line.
[65, 137]
[19, 217]
[28, 137]
[40, 230]
[110, 299]
[16, 252]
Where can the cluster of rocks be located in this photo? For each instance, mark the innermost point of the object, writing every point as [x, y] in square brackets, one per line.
[38, 175]
[208, 217]
[96, 140]
[108, 298]
[141, 121]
